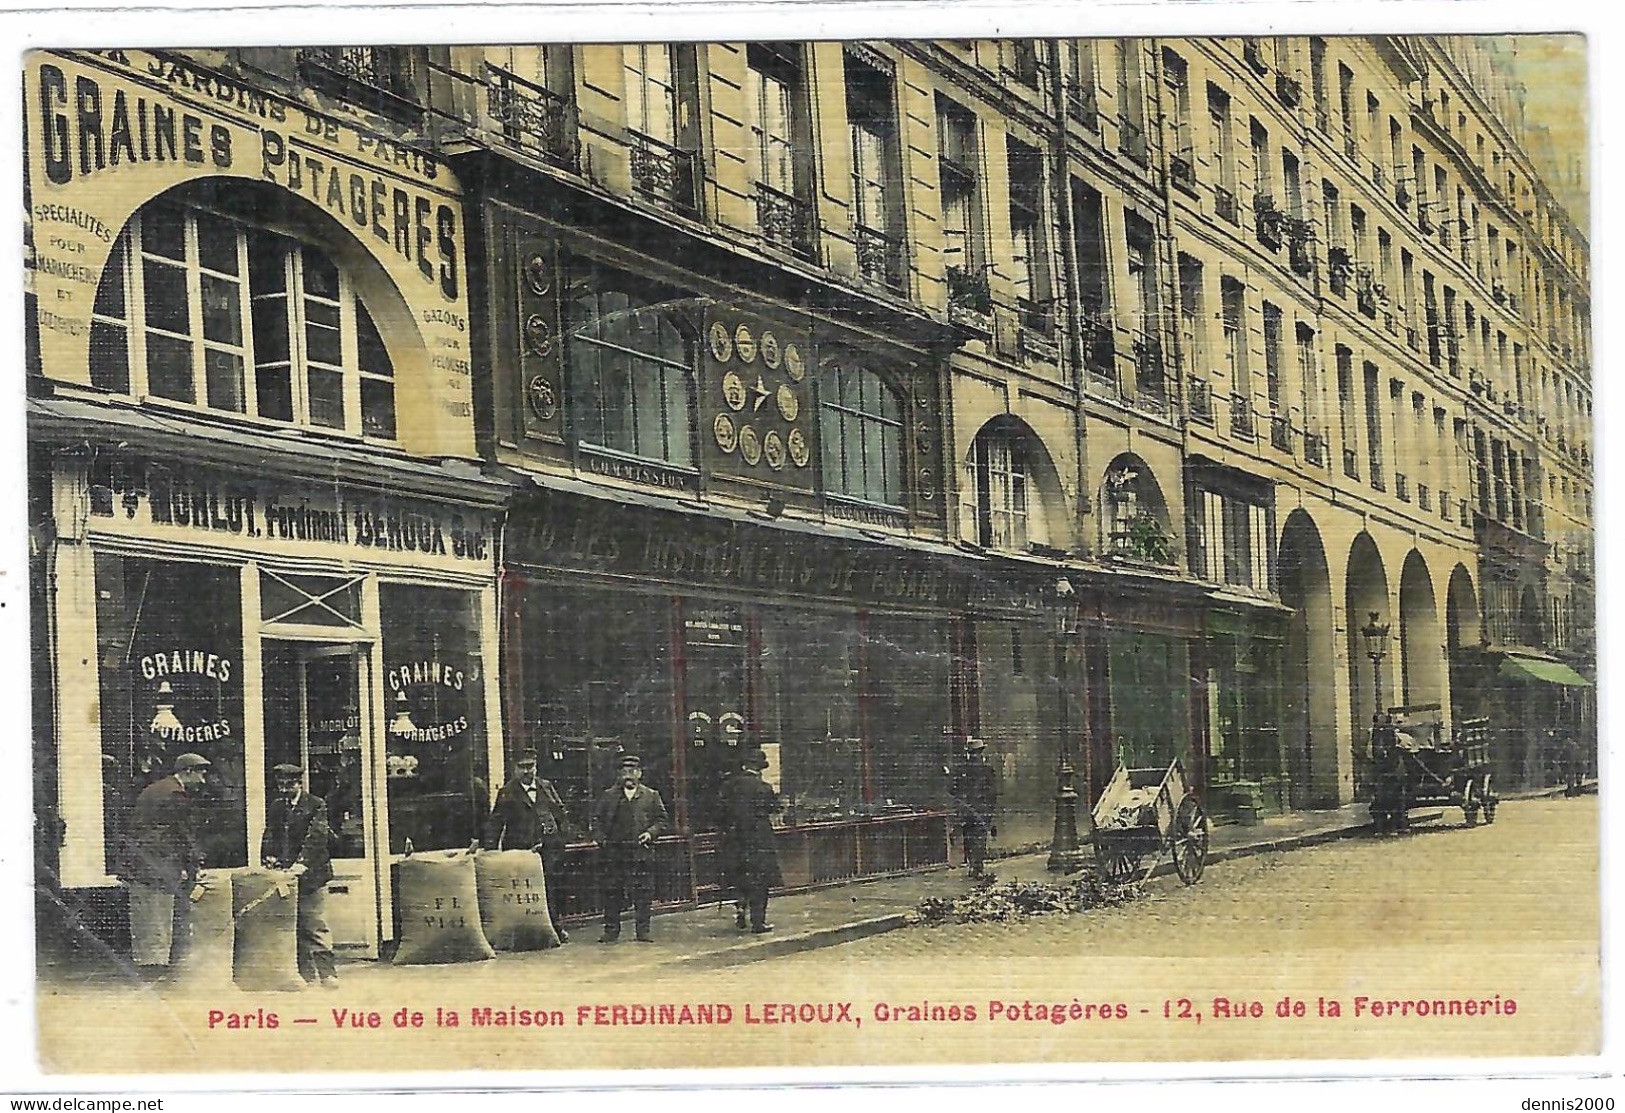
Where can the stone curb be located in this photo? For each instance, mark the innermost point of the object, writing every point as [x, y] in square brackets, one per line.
[780, 945]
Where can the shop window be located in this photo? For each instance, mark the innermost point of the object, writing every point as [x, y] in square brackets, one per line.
[1248, 764]
[1001, 490]
[597, 672]
[169, 643]
[907, 666]
[630, 365]
[811, 722]
[199, 309]
[434, 680]
[861, 426]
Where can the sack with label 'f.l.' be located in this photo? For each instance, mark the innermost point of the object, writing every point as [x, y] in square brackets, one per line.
[513, 900]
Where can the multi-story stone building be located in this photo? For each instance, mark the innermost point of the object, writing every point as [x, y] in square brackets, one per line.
[842, 399]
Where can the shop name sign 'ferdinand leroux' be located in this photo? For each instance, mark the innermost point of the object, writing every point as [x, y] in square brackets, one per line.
[376, 523]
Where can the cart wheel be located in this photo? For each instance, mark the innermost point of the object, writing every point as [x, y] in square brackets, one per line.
[1489, 800]
[1190, 841]
[1122, 868]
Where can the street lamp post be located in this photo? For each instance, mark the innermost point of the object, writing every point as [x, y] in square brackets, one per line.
[1065, 853]
[1375, 635]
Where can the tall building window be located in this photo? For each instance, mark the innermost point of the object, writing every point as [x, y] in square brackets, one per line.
[776, 102]
[871, 111]
[1175, 75]
[1309, 377]
[1224, 140]
[197, 308]
[1273, 356]
[1029, 272]
[1233, 309]
[630, 370]
[1192, 334]
[1131, 100]
[1347, 426]
[1373, 424]
[1317, 83]
[1263, 190]
[958, 162]
[861, 427]
[1001, 489]
[1345, 107]
[660, 94]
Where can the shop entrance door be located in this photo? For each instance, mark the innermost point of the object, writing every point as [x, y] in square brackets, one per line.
[319, 715]
[714, 698]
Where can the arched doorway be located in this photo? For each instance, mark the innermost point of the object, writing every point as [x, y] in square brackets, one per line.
[1419, 642]
[1365, 596]
[1308, 703]
[1462, 639]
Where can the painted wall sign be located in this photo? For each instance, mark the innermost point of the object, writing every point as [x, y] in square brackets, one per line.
[111, 130]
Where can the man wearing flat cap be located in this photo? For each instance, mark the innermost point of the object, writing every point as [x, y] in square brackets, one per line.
[627, 821]
[749, 847]
[296, 840]
[975, 793]
[160, 865]
[529, 814]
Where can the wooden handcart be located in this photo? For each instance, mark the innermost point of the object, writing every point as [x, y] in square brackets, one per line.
[1416, 765]
[1144, 814]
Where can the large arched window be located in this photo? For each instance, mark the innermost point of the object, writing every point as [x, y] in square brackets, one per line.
[201, 309]
[630, 386]
[1002, 483]
[861, 426]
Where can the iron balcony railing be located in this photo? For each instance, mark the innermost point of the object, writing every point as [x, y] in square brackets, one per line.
[1036, 316]
[1225, 206]
[1099, 340]
[664, 173]
[1182, 170]
[531, 118]
[968, 290]
[1281, 432]
[1268, 221]
[785, 220]
[1199, 397]
[880, 256]
[1241, 417]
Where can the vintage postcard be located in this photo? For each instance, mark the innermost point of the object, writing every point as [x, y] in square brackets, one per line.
[811, 553]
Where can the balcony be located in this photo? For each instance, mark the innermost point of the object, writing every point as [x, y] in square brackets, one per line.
[970, 302]
[785, 221]
[1424, 219]
[1402, 486]
[1036, 317]
[1365, 292]
[1225, 206]
[1281, 433]
[1300, 238]
[530, 118]
[1081, 103]
[1289, 89]
[1199, 398]
[1252, 51]
[1182, 171]
[1099, 341]
[1351, 463]
[663, 173]
[1241, 418]
[1402, 194]
[1314, 449]
[1269, 222]
[1339, 269]
[378, 78]
[1150, 379]
[880, 257]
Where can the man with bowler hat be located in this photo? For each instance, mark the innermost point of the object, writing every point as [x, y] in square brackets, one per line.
[529, 815]
[629, 817]
[750, 848]
[160, 865]
[296, 840]
[975, 794]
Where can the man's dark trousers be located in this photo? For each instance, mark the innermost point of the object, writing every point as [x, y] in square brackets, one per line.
[629, 877]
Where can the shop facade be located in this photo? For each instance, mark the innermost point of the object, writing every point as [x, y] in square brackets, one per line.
[259, 529]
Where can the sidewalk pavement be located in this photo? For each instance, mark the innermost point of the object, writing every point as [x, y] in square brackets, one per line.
[706, 937]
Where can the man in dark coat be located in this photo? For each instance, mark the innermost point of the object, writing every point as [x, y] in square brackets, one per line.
[529, 814]
[160, 865]
[627, 821]
[296, 840]
[975, 794]
[750, 849]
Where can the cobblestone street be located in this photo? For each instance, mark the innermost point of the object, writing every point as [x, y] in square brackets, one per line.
[1508, 912]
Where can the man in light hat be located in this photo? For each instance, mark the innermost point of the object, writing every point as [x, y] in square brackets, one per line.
[160, 866]
[749, 846]
[528, 814]
[296, 840]
[627, 821]
[975, 794]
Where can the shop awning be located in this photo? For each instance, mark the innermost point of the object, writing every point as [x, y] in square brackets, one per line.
[1531, 669]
